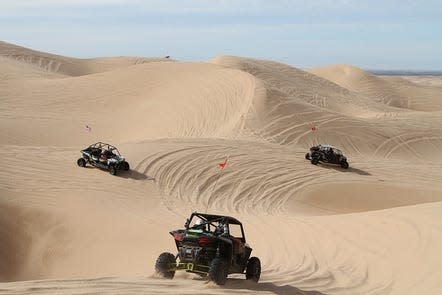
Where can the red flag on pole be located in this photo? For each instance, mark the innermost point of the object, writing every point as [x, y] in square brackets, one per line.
[222, 164]
[315, 128]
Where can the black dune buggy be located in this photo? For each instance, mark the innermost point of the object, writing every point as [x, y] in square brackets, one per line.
[105, 156]
[328, 154]
[212, 246]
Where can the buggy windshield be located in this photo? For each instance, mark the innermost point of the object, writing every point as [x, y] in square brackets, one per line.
[214, 223]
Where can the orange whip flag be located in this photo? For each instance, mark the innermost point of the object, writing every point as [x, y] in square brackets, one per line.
[222, 164]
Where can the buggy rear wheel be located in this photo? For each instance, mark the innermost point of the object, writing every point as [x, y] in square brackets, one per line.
[253, 270]
[113, 170]
[218, 271]
[81, 162]
[314, 161]
[165, 265]
[344, 164]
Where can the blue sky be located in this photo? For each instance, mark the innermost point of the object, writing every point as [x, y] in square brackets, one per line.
[387, 34]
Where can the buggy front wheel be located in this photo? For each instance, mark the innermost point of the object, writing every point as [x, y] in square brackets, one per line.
[113, 170]
[253, 270]
[307, 156]
[314, 161]
[81, 162]
[344, 164]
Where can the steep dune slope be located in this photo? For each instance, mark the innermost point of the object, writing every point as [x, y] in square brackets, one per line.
[12, 69]
[137, 102]
[302, 86]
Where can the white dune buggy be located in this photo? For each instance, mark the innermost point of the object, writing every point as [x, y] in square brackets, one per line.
[104, 156]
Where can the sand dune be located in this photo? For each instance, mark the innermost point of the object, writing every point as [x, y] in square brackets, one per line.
[67, 66]
[142, 101]
[397, 92]
[372, 229]
[421, 80]
[296, 101]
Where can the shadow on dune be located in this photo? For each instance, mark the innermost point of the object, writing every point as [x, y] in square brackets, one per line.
[349, 170]
[237, 284]
[133, 174]
[358, 171]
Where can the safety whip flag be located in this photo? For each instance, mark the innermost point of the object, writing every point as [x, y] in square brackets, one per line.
[88, 128]
[222, 165]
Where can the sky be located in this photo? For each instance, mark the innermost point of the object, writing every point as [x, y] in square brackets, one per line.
[376, 34]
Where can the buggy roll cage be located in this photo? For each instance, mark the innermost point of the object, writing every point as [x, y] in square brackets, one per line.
[210, 219]
[326, 147]
[105, 146]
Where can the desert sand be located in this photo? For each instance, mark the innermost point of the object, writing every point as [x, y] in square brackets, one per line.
[375, 228]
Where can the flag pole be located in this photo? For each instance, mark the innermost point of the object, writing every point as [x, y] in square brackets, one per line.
[221, 166]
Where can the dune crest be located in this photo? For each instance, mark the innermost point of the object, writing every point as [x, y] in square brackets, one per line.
[68, 66]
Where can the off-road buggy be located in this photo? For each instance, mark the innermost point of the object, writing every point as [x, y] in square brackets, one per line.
[105, 156]
[212, 246]
[328, 154]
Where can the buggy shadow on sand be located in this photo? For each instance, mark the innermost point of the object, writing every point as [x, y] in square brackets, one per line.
[212, 246]
[104, 156]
